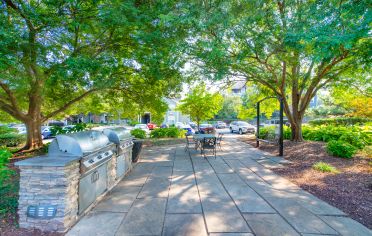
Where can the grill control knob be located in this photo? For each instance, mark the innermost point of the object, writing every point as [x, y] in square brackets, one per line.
[99, 156]
[107, 153]
[91, 161]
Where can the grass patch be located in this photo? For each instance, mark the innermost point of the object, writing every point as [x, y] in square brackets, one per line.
[325, 167]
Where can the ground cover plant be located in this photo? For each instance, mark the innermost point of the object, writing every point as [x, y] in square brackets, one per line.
[345, 139]
[324, 167]
[8, 188]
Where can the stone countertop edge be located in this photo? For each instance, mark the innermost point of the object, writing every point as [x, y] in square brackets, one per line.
[55, 161]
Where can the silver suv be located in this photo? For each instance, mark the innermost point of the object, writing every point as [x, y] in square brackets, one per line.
[242, 127]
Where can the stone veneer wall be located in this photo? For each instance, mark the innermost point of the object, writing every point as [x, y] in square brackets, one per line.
[50, 186]
[111, 172]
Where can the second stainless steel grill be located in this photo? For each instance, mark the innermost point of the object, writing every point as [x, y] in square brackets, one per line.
[123, 140]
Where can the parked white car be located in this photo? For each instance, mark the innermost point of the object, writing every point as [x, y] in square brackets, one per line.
[242, 127]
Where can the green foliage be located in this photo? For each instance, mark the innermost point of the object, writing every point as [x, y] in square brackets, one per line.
[55, 130]
[291, 48]
[6, 129]
[133, 122]
[325, 167]
[341, 121]
[271, 132]
[80, 53]
[253, 94]
[341, 149]
[230, 108]
[11, 139]
[171, 132]
[200, 104]
[358, 136]
[8, 186]
[138, 133]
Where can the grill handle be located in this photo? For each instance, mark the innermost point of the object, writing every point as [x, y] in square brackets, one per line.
[94, 177]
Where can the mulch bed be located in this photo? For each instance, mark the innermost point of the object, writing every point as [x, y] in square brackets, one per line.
[350, 190]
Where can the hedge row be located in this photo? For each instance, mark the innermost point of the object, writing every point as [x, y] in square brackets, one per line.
[340, 121]
[171, 132]
[11, 139]
[343, 141]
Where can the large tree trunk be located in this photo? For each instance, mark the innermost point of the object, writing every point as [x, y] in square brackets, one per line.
[296, 128]
[34, 140]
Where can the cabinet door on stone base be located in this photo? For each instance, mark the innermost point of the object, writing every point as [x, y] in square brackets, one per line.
[87, 192]
[120, 166]
[101, 183]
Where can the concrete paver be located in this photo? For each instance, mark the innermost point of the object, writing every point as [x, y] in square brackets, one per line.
[184, 225]
[172, 192]
[146, 217]
[97, 224]
[269, 225]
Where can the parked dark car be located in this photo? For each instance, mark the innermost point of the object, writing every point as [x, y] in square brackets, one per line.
[206, 128]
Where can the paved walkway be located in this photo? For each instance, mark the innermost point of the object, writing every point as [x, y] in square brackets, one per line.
[172, 193]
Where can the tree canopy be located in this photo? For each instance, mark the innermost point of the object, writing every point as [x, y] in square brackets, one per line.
[200, 104]
[293, 48]
[54, 53]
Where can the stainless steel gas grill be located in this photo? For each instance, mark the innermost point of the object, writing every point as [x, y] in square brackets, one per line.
[124, 143]
[94, 150]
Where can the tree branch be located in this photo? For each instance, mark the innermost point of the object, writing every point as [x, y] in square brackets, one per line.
[68, 104]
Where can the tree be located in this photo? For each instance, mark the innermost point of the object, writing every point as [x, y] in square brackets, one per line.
[354, 95]
[200, 104]
[294, 48]
[53, 54]
[229, 108]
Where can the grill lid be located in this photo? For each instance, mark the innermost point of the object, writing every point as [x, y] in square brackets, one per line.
[118, 134]
[80, 143]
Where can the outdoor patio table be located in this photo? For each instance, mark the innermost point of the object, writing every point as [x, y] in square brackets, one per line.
[200, 137]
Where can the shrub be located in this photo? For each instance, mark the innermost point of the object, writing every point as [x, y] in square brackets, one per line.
[172, 132]
[8, 186]
[138, 133]
[340, 121]
[271, 132]
[325, 167]
[11, 139]
[6, 129]
[340, 149]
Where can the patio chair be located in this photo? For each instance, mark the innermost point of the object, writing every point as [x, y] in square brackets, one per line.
[219, 140]
[190, 142]
[209, 144]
